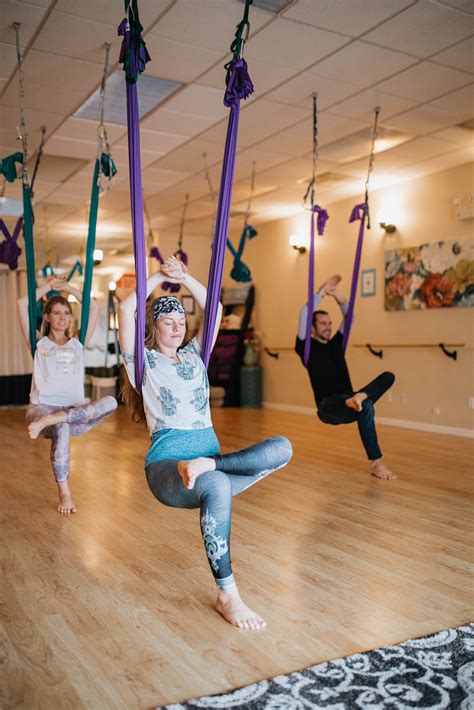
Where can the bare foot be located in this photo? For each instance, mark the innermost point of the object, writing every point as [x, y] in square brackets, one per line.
[37, 426]
[190, 470]
[65, 504]
[380, 470]
[231, 607]
[355, 402]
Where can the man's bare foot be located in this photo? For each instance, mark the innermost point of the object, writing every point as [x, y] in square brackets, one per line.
[190, 470]
[232, 608]
[65, 504]
[37, 426]
[355, 402]
[380, 470]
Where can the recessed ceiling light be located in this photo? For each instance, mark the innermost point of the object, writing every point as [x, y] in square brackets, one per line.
[152, 91]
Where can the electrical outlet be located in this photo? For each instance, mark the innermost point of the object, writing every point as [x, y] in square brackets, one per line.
[470, 402]
[403, 397]
[436, 411]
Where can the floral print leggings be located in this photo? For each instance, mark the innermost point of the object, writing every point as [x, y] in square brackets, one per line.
[80, 419]
[213, 492]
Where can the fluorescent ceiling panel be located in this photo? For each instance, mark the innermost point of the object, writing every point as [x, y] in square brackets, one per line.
[152, 91]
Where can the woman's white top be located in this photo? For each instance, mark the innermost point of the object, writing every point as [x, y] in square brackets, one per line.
[175, 394]
[58, 373]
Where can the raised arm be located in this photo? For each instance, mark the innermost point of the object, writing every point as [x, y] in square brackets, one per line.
[176, 269]
[127, 314]
[329, 287]
[22, 305]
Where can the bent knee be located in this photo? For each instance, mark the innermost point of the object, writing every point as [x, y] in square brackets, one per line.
[216, 483]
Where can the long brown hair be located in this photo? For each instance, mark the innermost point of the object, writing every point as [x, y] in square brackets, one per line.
[48, 307]
[128, 393]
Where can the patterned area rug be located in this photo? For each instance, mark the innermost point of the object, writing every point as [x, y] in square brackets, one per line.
[430, 672]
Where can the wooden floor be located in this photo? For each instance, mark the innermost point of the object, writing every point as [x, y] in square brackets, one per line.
[112, 607]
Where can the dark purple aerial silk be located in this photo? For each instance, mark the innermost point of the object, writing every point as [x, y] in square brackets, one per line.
[359, 212]
[239, 86]
[134, 56]
[9, 249]
[321, 223]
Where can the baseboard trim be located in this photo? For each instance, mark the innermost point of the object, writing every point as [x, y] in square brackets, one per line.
[402, 423]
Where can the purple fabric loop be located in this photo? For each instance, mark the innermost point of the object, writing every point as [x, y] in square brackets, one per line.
[322, 219]
[309, 314]
[156, 254]
[9, 249]
[239, 84]
[359, 212]
[179, 254]
[220, 234]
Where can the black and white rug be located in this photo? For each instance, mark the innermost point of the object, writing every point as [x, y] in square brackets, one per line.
[431, 672]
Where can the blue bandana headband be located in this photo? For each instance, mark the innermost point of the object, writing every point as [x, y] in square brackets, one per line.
[165, 305]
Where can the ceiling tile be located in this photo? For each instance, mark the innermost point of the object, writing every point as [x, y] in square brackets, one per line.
[362, 106]
[421, 149]
[60, 72]
[179, 61]
[36, 97]
[77, 37]
[463, 5]
[7, 60]
[184, 23]
[155, 141]
[199, 101]
[304, 45]
[455, 134]
[461, 56]
[262, 118]
[363, 64]
[27, 14]
[84, 130]
[425, 81]
[59, 168]
[330, 128]
[298, 91]
[70, 147]
[422, 30]
[107, 14]
[351, 18]
[460, 102]
[421, 120]
[176, 122]
[188, 157]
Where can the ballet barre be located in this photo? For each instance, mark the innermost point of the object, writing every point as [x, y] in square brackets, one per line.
[442, 346]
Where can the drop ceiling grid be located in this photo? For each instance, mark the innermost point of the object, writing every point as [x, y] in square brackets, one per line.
[276, 108]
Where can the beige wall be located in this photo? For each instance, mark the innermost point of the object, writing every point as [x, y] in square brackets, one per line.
[426, 379]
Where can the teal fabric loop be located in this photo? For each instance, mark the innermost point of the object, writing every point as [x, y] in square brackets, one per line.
[8, 166]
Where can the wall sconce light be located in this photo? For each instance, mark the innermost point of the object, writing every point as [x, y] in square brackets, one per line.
[98, 256]
[296, 242]
[389, 228]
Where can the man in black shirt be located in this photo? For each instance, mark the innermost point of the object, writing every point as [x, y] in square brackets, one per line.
[336, 400]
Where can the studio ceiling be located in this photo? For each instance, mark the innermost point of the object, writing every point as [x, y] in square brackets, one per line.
[414, 59]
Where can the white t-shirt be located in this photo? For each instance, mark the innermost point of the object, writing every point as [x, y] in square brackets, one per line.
[175, 394]
[58, 373]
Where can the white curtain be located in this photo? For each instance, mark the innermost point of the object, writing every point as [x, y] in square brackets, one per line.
[15, 357]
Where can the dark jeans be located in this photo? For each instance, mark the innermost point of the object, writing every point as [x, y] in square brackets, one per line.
[333, 410]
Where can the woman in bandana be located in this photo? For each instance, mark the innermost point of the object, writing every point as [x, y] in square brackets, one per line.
[184, 467]
[57, 410]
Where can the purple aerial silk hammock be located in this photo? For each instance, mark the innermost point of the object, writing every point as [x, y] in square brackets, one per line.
[181, 256]
[239, 86]
[9, 249]
[359, 212]
[134, 56]
[321, 223]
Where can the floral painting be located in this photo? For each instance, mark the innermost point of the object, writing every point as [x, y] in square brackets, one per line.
[437, 275]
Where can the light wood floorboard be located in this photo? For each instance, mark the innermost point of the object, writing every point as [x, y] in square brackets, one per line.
[112, 606]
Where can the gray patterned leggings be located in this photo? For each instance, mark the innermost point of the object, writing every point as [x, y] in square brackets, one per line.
[213, 492]
[79, 420]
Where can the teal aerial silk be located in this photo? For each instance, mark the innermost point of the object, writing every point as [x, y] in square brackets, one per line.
[30, 263]
[90, 246]
[8, 167]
